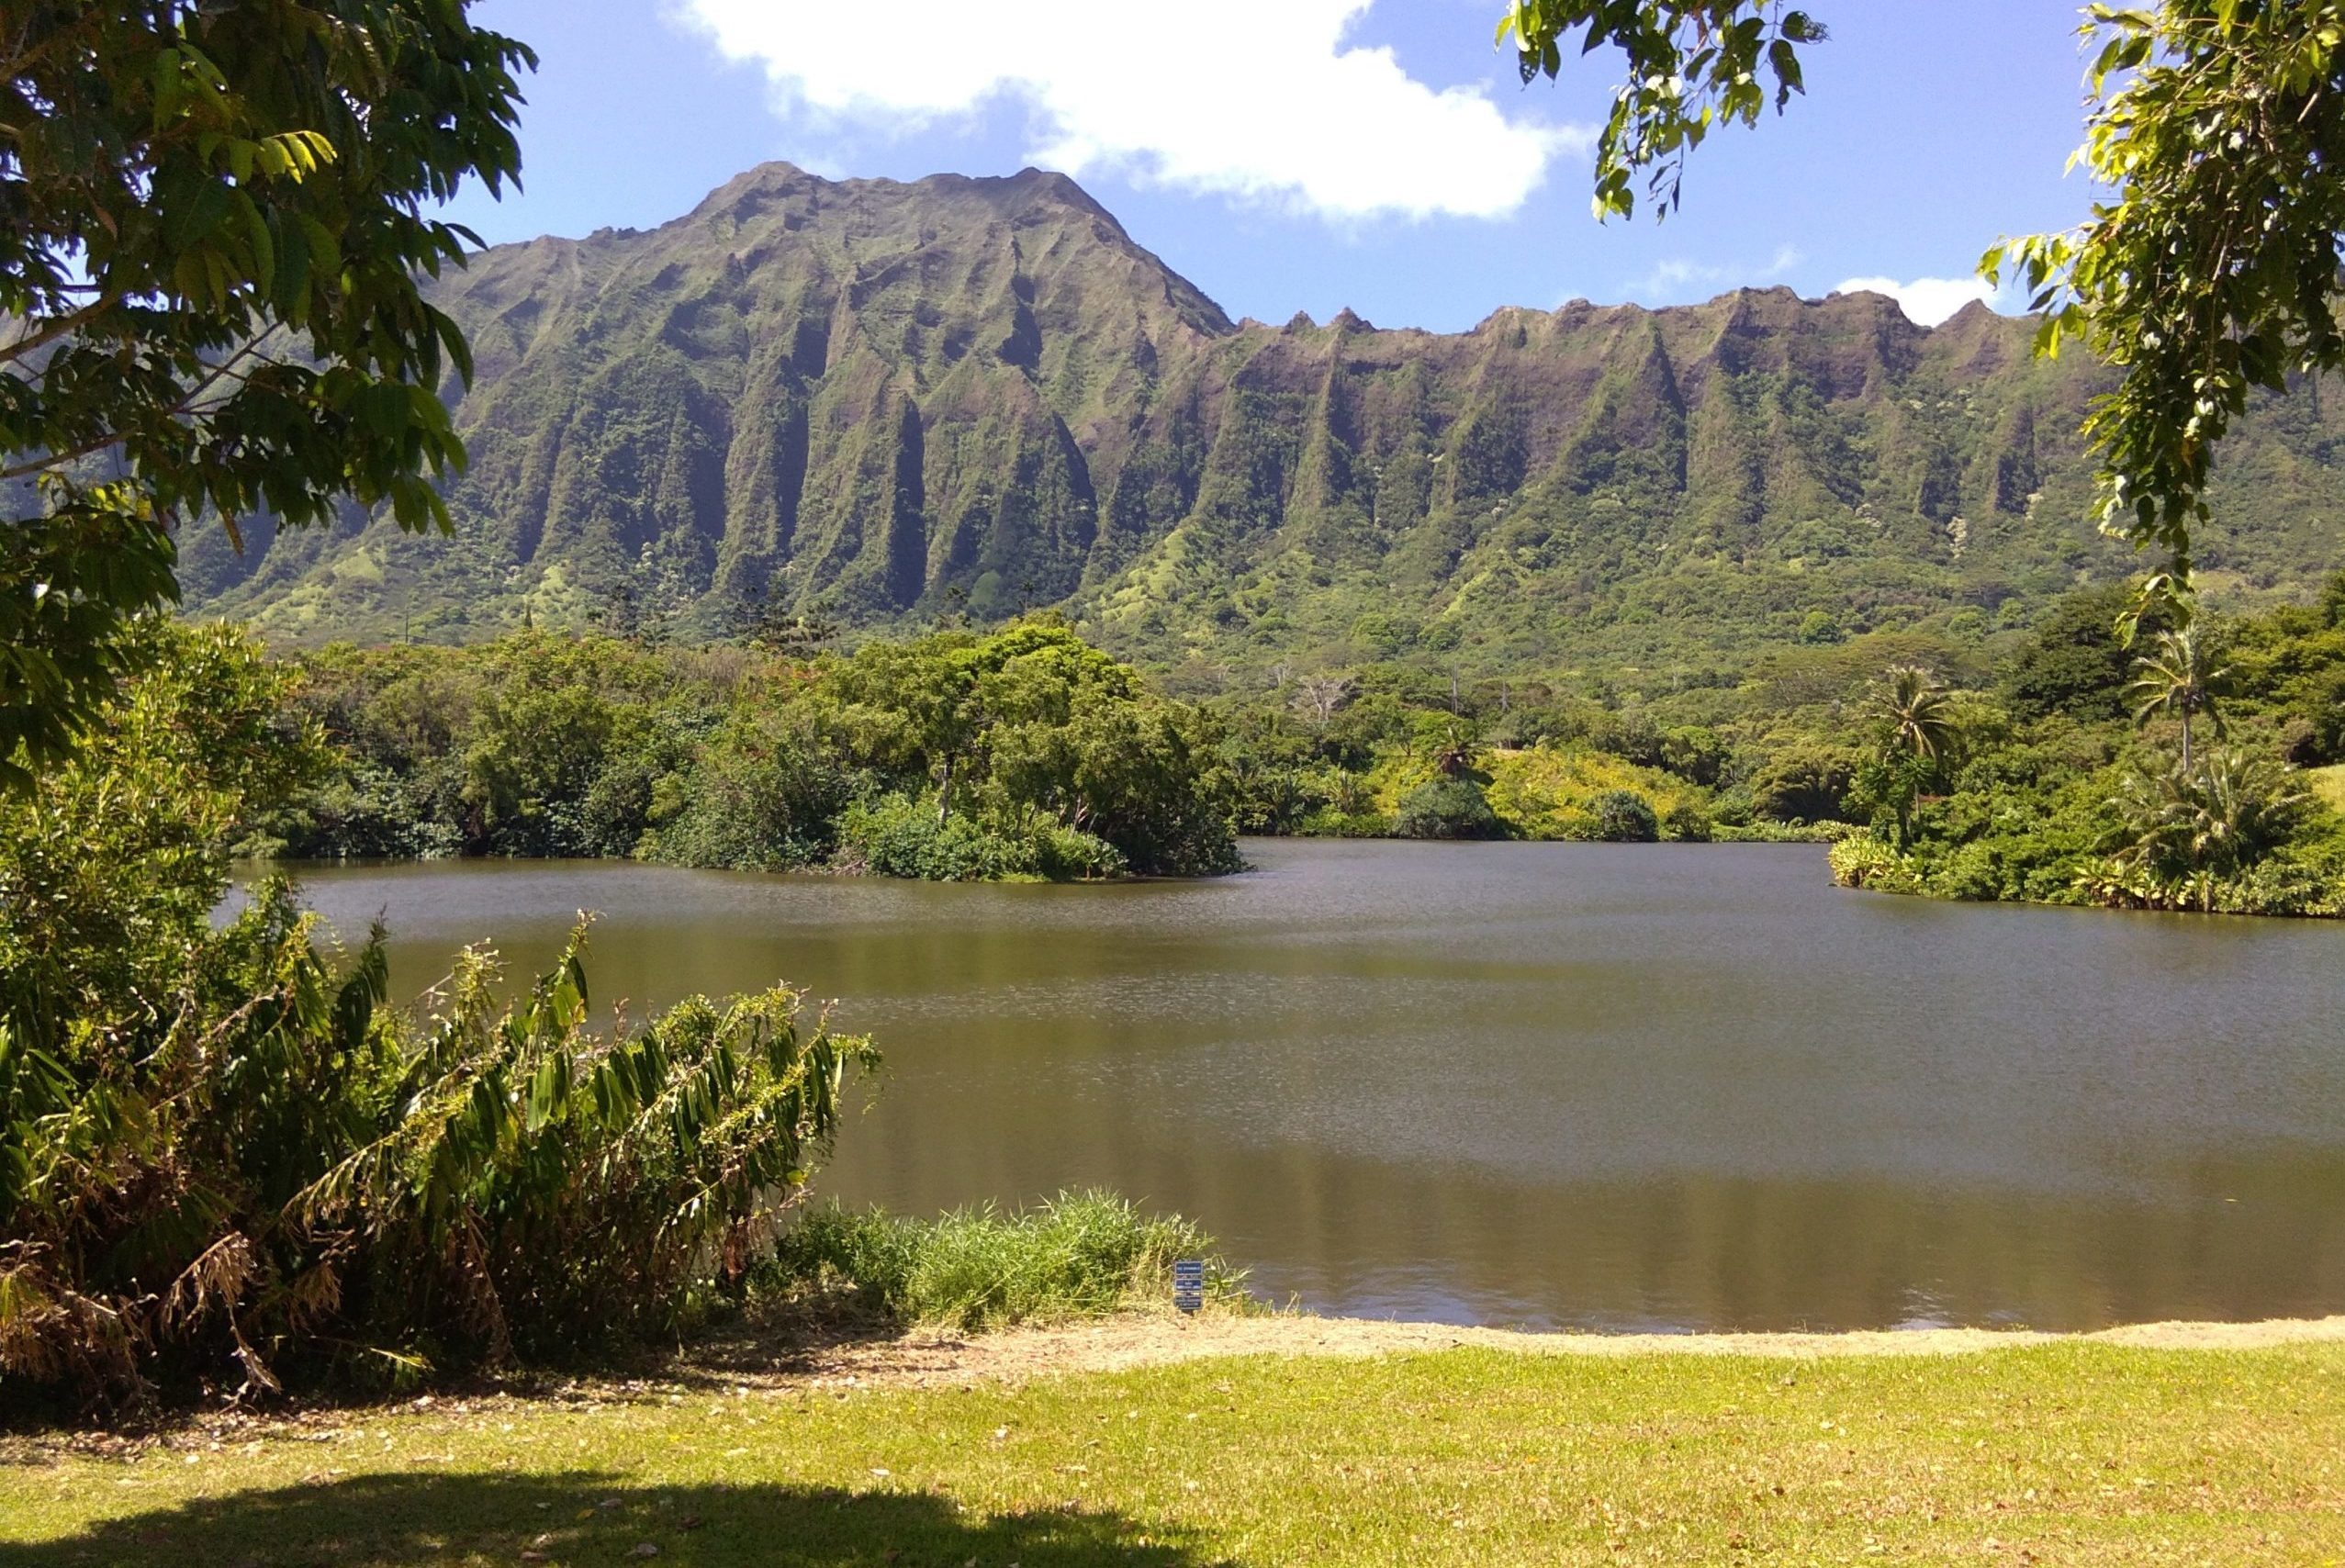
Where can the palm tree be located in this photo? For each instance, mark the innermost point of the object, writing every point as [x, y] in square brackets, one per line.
[1455, 757]
[1917, 710]
[2175, 678]
[1914, 717]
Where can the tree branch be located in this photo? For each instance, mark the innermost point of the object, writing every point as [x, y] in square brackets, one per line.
[185, 406]
[56, 329]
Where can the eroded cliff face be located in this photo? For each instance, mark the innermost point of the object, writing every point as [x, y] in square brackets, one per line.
[886, 402]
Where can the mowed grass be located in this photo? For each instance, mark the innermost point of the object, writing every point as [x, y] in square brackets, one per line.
[2064, 1453]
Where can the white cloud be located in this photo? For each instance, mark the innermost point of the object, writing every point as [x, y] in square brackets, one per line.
[1671, 279]
[1260, 99]
[1927, 301]
[1674, 274]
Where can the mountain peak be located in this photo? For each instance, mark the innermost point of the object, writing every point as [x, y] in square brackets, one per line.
[883, 400]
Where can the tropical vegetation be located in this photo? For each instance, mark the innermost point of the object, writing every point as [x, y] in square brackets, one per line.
[227, 1161]
[2077, 777]
[1018, 754]
[219, 229]
[2059, 763]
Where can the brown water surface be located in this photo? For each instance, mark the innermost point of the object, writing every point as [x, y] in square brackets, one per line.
[1638, 1086]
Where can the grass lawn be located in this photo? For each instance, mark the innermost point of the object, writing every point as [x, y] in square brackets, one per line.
[2059, 1453]
[2329, 783]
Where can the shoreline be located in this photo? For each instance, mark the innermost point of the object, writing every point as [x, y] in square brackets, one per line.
[776, 1363]
[1132, 1340]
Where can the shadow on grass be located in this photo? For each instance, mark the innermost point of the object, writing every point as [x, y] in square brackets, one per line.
[373, 1521]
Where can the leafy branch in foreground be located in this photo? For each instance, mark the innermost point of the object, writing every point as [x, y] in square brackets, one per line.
[2221, 125]
[1693, 65]
[215, 220]
[2214, 271]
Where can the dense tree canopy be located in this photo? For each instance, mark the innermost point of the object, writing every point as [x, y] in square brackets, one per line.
[213, 218]
[1020, 752]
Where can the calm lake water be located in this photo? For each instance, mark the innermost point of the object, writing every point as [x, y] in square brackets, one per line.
[1680, 1087]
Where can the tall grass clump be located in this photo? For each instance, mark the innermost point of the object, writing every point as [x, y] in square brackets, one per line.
[1079, 1255]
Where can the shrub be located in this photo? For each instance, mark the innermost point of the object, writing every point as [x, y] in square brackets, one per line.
[1973, 872]
[763, 798]
[1067, 855]
[1688, 824]
[1082, 1254]
[1447, 808]
[900, 835]
[1623, 816]
[222, 1161]
[287, 1181]
[1861, 860]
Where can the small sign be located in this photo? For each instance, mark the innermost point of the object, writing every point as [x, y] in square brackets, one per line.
[1188, 1284]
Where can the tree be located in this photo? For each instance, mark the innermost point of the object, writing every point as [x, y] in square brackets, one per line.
[1624, 816]
[767, 624]
[1319, 695]
[1913, 716]
[215, 217]
[1447, 808]
[107, 862]
[2175, 678]
[1453, 758]
[2073, 661]
[1916, 711]
[2219, 124]
[2222, 127]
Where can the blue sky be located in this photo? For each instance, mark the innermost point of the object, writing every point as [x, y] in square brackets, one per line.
[1313, 154]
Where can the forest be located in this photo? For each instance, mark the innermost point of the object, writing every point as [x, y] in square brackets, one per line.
[2194, 768]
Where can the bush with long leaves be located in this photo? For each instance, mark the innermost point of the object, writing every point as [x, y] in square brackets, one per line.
[2184, 835]
[225, 1162]
[290, 1178]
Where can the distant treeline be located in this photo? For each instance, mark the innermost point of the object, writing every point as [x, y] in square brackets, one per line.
[1022, 752]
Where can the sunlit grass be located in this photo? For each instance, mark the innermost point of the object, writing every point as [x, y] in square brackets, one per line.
[2082, 1453]
[2329, 783]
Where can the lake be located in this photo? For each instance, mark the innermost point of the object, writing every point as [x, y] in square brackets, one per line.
[1614, 1086]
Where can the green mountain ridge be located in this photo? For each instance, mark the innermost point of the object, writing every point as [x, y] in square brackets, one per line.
[889, 403]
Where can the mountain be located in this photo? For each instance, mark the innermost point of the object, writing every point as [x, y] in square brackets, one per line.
[887, 403]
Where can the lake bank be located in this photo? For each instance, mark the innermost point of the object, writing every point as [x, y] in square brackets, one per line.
[2074, 1451]
[1128, 1341]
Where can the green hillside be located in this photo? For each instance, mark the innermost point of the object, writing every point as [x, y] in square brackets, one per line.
[889, 404]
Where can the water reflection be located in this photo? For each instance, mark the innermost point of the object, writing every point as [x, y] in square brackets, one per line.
[1652, 1086]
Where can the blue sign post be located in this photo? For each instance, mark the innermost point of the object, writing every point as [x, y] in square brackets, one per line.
[1188, 1284]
